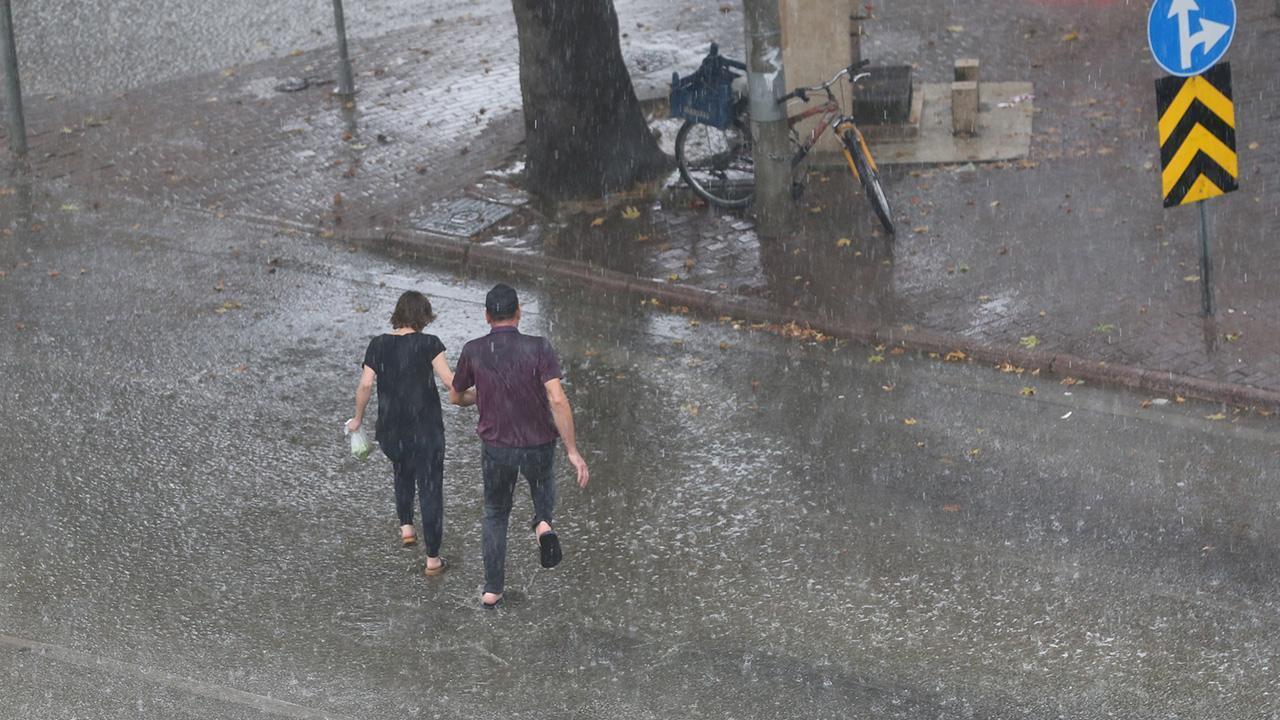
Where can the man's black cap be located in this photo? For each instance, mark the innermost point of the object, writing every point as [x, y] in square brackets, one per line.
[501, 301]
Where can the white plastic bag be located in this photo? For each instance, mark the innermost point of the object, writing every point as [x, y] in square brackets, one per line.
[360, 445]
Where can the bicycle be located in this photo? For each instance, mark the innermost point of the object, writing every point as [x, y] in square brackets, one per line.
[717, 162]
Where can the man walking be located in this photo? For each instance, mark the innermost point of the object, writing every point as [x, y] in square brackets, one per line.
[523, 409]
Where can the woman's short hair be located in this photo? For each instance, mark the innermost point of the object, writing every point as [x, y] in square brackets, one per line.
[413, 310]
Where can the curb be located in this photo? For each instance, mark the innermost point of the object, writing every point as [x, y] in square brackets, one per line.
[465, 253]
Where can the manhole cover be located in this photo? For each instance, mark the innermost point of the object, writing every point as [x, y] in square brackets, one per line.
[462, 217]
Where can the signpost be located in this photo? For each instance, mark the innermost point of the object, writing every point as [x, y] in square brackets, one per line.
[1197, 118]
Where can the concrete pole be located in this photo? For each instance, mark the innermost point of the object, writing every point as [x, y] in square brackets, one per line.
[17, 125]
[346, 84]
[766, 82]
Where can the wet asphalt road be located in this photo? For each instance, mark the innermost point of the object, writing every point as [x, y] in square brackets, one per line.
[774, 528]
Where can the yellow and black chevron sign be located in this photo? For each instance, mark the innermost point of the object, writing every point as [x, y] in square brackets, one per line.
[1197, 136]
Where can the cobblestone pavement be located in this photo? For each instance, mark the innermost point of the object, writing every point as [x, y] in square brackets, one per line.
[437, 105]
[1068, 251]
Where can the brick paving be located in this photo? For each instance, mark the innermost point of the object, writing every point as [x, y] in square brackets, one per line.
[1069, 251]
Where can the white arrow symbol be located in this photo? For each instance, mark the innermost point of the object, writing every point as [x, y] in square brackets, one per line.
[1210, 32]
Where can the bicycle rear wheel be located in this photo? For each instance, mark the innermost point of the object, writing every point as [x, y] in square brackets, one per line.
[717, 164]
[869, 175]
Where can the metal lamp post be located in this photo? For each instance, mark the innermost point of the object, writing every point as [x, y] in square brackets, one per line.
[346, 84]
[17, 126]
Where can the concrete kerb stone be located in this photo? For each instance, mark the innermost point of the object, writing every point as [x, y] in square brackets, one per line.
[710, 303]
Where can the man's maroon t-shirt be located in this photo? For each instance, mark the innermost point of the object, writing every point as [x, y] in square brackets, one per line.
[509, 371]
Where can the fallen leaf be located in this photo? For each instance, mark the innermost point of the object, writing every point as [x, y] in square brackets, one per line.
[1027, 391]
[951, 508]
[898, 351]
[1029, 341]
[693, 409]
[631, 212]
[1233, 336]
[1191, 278]
[920, 230]
[1253, 146]
[1104, 328]
[1070, 381]
[887, 388]
[1145, 404]
[843, 243]
[54, 273]
[597, 222]
[875, 359]
[220, 286]
[955, 356]
[1179, 399]
[241, 369]
[955, 28]
[725, 346]
[984, 298]
[672, 278]
[975, 452]
[910, 421]
[995, 203]
[1071, 37]
[1216, 416]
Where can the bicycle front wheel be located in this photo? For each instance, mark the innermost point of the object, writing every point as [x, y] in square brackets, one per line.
[717, 164]
[869, 175]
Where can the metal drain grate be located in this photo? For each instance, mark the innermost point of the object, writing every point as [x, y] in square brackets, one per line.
[462, 217]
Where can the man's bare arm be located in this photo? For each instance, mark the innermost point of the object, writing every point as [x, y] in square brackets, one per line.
[441, 365]
[562, 415]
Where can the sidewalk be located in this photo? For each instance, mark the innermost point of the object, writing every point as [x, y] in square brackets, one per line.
[1064, 263]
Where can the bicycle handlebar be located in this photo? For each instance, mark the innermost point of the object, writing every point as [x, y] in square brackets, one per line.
[802, 93]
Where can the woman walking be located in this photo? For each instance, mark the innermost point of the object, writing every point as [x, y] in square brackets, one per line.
[410, 427]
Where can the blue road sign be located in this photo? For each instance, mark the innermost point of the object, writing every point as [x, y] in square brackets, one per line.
[1188, 36]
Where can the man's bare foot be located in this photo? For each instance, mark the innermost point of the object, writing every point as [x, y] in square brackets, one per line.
[491, 600]
[406, 535]
[543, 527]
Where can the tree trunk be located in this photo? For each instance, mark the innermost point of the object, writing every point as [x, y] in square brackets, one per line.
[585, 132]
